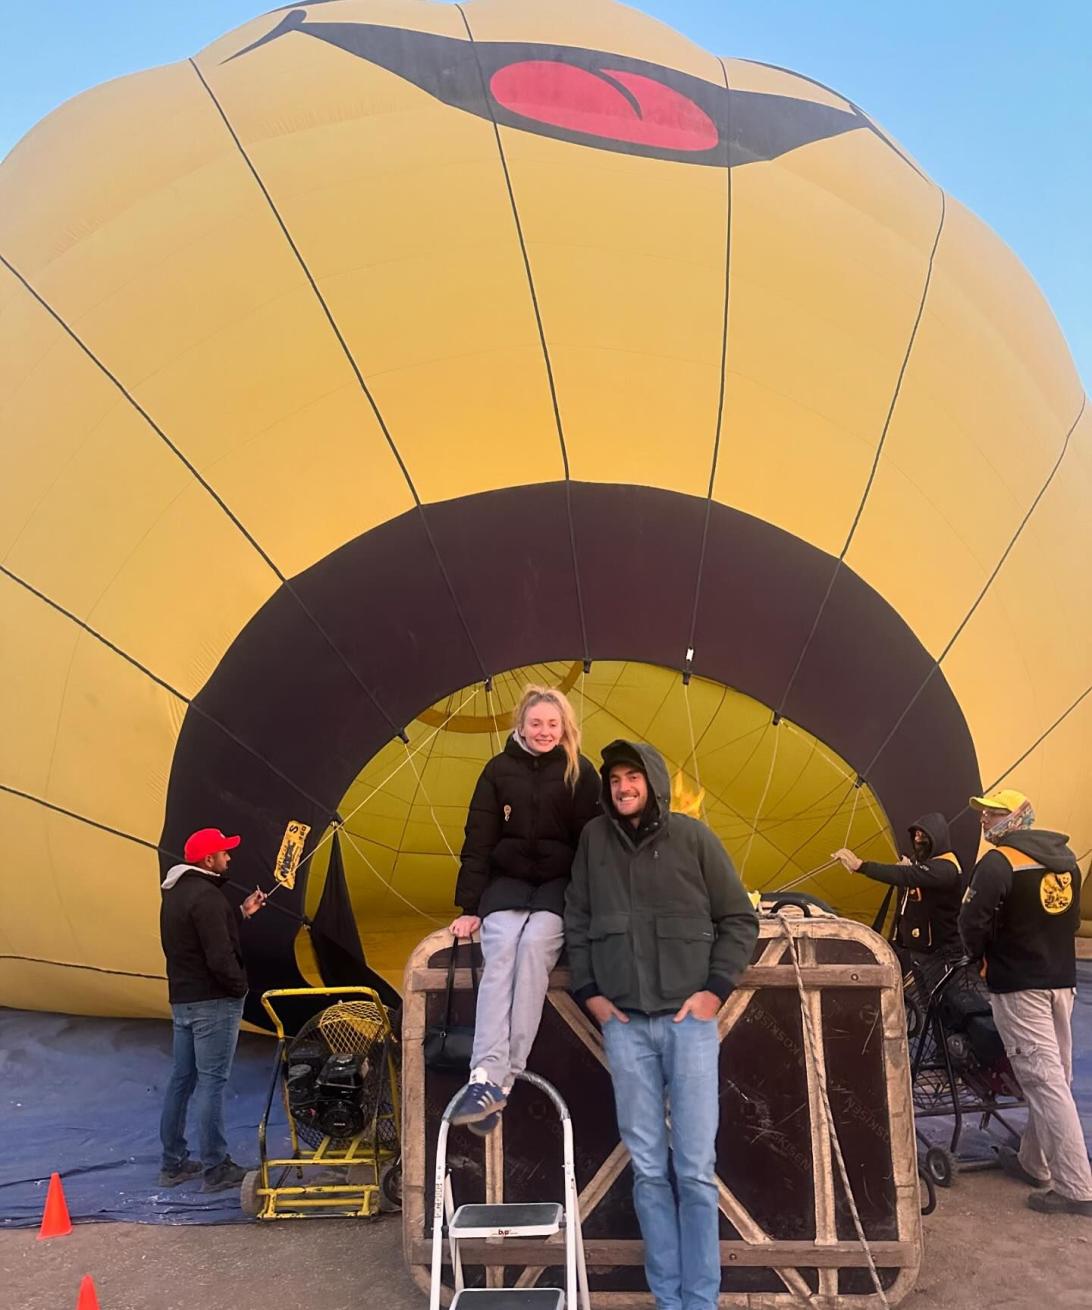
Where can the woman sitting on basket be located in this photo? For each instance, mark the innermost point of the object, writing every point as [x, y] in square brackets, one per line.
[525, 819]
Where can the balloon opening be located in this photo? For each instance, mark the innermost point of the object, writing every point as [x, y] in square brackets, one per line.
[780, 799]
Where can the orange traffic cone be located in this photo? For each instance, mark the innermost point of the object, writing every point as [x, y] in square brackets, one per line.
[88, 1298]
[55, 1218]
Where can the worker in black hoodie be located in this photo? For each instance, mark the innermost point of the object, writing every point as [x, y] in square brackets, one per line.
[931, 884]
[206, 982]
[1020, 915]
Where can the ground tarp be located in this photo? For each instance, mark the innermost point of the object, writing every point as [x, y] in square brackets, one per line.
[82, 1097]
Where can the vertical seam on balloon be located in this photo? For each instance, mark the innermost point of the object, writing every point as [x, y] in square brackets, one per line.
[144, 415]
[982, 594]
[305, 269]
[86, 968]
[898, 381]
[161, 682]
[838, 563]
[247, 536]
[718, 427]
[350, 358]
[550, 382]
[1040, 739]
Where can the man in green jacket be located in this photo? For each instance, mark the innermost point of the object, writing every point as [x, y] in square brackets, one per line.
[658, 929]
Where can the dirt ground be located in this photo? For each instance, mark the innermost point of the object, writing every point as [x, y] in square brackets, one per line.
[984, 1250]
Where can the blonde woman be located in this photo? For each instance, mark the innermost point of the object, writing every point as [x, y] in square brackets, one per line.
[525, 819]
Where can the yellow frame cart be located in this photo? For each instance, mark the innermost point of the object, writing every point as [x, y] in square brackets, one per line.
[355, 1022]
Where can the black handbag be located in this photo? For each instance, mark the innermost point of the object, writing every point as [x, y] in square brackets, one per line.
[448, 1046]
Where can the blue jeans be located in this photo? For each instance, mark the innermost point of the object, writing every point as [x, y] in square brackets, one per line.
[205, 1033]
[667, 1089]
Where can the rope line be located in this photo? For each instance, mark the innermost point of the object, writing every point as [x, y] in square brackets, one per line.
[821, 1076]
[762, 799]
[389, 886]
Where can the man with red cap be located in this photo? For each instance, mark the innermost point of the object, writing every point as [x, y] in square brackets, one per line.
[199, 929]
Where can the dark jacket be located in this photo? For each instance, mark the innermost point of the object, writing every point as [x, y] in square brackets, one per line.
[927, 917]
[655, 914]
[1022, 911]
[521, 831]
[199, 929]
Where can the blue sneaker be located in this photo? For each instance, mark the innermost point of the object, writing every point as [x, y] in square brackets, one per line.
[483, 1127]
[479, 1101]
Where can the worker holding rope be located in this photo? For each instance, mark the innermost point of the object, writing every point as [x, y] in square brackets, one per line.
[930, 885]
[526, 815]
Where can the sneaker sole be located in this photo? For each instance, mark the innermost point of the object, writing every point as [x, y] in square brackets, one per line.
[177, 1182]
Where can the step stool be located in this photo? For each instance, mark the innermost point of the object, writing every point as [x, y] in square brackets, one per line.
[525, 1219]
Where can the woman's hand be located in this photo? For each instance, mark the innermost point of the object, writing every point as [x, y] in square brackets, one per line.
[466, 925]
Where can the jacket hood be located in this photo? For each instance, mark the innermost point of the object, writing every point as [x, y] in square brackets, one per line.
[177, 870]
[1050, 849]
[935, 827]
[655, 769]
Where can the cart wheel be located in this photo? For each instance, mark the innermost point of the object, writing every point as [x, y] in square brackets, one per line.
[940, 1165]
[249, 1199]
[390, 1188]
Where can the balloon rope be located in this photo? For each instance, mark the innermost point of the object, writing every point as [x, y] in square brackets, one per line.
[762, 799]
[389, 884]
[432, 811]
[341, 824]
[693, 757]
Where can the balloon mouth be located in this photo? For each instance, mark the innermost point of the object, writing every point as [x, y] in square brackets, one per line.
[778, 798]
[369, 642]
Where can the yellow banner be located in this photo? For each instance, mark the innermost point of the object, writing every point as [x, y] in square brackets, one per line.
[288, 857]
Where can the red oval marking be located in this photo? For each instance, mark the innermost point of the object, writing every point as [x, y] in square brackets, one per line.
[594, 104]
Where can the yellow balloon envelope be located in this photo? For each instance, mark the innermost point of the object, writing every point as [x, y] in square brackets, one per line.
[388, 355]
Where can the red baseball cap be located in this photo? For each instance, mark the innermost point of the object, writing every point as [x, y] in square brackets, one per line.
[208, 841]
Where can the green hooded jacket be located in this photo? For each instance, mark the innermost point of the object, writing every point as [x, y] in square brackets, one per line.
[655, 914]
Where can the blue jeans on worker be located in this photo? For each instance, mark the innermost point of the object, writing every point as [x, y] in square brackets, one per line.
[205, 1034]
[667, 1092]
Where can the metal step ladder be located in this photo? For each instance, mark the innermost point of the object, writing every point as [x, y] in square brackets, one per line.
[527, 1219]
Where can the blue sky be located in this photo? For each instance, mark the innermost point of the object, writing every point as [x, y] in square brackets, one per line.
[991, 96]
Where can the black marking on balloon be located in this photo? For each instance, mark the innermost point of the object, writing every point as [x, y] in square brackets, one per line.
[759, 126]
[548, 363]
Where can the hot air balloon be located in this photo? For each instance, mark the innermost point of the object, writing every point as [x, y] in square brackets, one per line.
[386, 356]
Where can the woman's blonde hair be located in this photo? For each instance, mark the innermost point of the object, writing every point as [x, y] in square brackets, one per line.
[570, 729]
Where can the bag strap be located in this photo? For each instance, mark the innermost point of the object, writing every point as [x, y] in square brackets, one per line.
[450, 988]
[881, 914]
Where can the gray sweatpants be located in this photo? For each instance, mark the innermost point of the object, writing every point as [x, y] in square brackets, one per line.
[1035, 1027]
[519, 947]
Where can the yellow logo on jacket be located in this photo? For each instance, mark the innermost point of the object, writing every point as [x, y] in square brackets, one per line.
[1056, 892]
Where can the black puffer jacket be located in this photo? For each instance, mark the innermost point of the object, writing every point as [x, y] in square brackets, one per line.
[521, 831]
